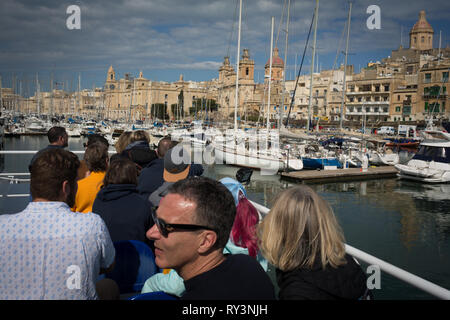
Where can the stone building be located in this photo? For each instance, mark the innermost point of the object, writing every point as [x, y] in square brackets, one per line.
[432, 91]
[9, 99]
[326, 94]
[412, 75]
[250, 94]
[132, 98]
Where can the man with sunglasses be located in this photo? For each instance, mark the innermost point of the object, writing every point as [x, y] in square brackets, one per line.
[192, 226]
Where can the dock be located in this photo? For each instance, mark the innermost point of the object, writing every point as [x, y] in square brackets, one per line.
[351, 174]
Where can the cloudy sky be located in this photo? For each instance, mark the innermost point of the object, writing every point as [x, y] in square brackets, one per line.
[166, 38]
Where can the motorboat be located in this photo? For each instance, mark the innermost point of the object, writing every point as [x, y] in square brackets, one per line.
[431, 163]
[73, 130]
[88, 127]
[35, 125]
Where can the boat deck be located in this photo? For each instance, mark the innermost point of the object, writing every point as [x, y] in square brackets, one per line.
[313, 176]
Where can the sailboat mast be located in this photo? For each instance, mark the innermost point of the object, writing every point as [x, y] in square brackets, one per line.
[79, 93]
[1, 94]
[131, 103]
[345, 68]
[51, 92]
[237, 67]
[312, 64]
[38, 93]
[280, 121]
[270, 76]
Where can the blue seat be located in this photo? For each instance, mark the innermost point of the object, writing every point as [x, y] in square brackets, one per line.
[134, 264]
[157, 295]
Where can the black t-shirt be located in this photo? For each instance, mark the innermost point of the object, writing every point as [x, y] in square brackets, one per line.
[239, 277]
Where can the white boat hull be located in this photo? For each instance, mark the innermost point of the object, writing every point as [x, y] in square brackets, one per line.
[430, 172]
[252, 159]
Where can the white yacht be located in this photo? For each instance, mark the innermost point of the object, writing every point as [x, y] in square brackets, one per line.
[35, 125]
[432, 162]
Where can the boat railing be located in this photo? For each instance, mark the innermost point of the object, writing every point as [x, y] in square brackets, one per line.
[396, 272]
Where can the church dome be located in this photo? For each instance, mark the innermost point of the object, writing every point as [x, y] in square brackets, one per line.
[422, 24]
[277, 61]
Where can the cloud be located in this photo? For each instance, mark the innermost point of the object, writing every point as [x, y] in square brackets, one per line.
[190, 34]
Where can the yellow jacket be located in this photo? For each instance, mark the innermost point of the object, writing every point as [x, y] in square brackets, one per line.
[87, 191]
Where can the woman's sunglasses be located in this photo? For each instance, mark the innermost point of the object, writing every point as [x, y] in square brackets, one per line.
[166, 228]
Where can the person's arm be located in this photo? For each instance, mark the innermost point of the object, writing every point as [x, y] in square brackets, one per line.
[170, 283]
[106, 247]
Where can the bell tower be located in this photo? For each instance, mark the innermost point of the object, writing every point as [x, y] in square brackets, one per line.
[421, 35]
[111, 74]
[225, 70]
[277, 66]
[246, 67]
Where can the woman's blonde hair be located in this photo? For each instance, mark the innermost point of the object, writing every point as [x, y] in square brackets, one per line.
[301, 230]
[123, 141]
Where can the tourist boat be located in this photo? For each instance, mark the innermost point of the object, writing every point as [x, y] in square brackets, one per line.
[432, 162]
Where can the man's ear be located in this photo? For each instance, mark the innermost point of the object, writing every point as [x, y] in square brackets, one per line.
[207, 241]
[65, 190]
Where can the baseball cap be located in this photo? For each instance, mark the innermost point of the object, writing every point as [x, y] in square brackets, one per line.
[235, 188]
[177, 162]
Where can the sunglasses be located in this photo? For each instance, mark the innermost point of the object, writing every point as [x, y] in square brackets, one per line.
[166, 228]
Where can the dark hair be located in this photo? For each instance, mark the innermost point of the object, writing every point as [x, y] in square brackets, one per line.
[54, 133]
[215, 206]
[163, 145]
[50, 170]
[96, 138]
[121, 171]
[95, 156]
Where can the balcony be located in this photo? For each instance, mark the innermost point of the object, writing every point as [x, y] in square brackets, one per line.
[434, 96]
[368, 103]
[360, 113]
[366, 92]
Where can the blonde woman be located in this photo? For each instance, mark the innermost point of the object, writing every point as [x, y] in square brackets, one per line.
[123, 141]
[301, 237]
[135, 146]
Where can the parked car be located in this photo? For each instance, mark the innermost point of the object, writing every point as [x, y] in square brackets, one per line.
[386, 130]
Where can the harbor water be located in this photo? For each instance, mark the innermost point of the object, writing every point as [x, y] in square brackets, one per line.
[404, 223]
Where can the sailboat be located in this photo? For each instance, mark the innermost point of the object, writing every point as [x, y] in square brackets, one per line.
[258, 150]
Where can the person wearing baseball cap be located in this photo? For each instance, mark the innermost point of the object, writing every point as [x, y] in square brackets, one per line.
[177, 163]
